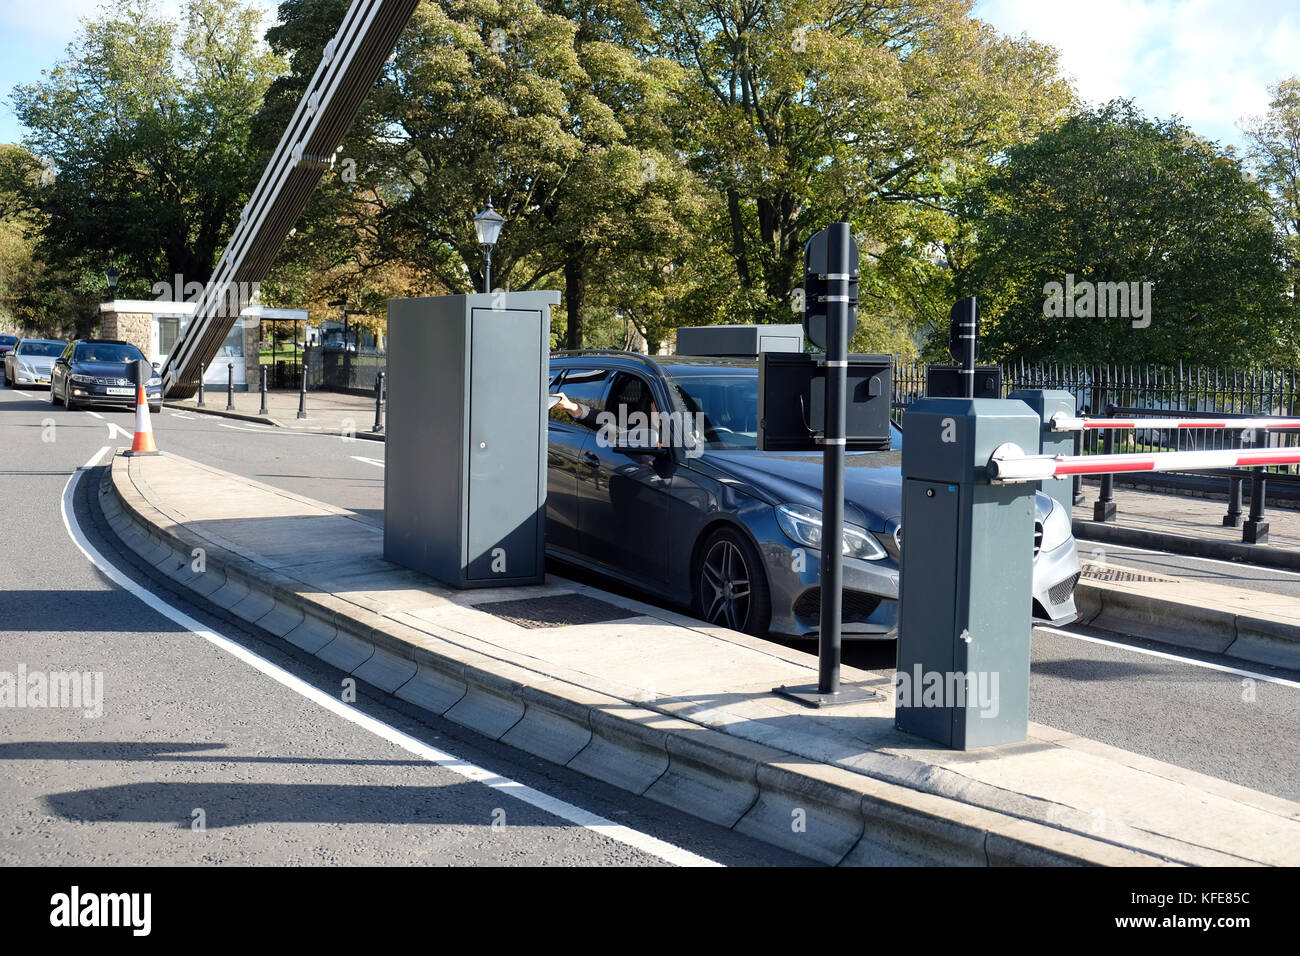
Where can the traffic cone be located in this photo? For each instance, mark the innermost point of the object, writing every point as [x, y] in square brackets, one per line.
[143, 442]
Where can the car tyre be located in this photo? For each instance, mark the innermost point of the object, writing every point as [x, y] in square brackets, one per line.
[731, 585]
[53, 399]
[155, 409]
[67, 398]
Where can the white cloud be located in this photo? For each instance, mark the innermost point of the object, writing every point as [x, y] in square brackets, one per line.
[1209, 61]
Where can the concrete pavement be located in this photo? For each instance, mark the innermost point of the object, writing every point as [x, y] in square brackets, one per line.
[662, 705]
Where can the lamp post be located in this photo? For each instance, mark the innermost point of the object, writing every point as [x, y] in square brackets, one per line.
[487, 225]
[112, 275]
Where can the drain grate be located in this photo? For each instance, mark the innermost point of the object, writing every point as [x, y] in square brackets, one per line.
[557, 610]
[1098, 573]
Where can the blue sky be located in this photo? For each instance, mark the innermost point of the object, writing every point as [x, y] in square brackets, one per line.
[1209, 61]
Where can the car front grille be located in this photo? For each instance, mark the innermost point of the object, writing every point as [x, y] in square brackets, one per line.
[102, 380]
[1061, 592]
[856, 607]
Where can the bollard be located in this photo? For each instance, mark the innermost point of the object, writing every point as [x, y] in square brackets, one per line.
[1104, 507]
[302, 393]
[965, 619]
[262, 410]
[230, 386]
[202, 371]
[1233, 518]
[379, 402]
[1255, 530]
[1077, 497]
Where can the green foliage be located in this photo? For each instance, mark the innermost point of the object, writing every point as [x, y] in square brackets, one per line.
[1111, 196]
[146, 126]
[1275, 152]
[805, 112]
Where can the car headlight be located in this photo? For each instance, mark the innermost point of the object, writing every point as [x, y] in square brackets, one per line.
[83, 379]
[1056, 528]
[804, 526]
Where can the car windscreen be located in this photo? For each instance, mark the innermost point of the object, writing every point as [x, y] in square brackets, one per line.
[45, 349]
[8, 339]
[728, 404]
[100, 352]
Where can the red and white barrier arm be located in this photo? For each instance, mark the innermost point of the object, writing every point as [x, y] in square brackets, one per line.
[1009, 463]
[1062, 422]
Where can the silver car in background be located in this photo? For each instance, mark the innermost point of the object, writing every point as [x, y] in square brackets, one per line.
[30, 361]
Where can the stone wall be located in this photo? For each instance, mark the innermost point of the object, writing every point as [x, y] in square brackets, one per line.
[252, 358]
[133, 327]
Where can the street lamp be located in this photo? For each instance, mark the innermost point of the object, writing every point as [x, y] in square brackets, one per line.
[112, 276]
[488, 225]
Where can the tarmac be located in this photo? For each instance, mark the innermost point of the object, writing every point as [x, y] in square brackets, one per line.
[683, 713]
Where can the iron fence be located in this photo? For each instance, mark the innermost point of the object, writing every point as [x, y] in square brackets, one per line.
[1187, 391]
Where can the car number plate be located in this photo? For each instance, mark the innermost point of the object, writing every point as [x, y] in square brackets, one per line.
[121, 391]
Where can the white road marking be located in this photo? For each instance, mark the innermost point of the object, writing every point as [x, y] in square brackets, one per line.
[25, 394]
[95, 458]
[180, 415]
[369, 461]
[559, 808]
[115, 430]
[1254, 675]
[95, 415]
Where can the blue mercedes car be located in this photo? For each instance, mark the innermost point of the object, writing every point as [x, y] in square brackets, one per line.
[658, 484]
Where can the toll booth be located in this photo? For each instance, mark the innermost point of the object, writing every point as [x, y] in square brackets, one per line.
[966, 611]
[465, 476]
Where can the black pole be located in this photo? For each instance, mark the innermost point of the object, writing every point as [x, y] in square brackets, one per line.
[1255, 530]
[1103, 509]
[379, 402]
[230, 386]
[302, 393]
[967, 334]
[487, 268]
[1078, 498]
[262, 410]
[837, 360]
[202, 369]
[1233, 518]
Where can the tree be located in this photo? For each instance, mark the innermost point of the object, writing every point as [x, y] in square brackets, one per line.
[1113, 197]
[549, 112]
[146, 125]
[1275, 153]
[805, 112]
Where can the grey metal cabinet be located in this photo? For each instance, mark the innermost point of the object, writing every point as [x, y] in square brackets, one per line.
[465, 481]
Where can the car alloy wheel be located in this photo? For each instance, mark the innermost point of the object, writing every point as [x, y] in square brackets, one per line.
[732, 589]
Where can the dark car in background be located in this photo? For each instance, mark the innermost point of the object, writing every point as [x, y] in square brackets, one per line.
[713, 524]
[98, 372]
[7, 342]
[30, 361]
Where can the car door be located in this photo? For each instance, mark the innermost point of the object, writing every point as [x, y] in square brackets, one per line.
[566, 440]
[623, 500]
